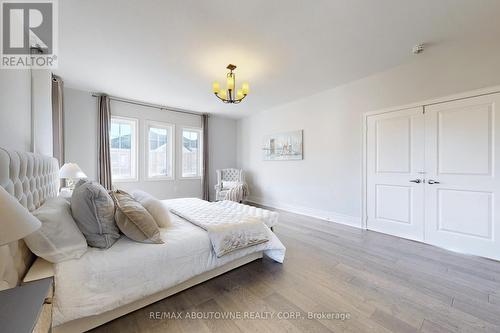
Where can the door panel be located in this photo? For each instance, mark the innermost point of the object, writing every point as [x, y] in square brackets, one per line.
[393, 144]
[393, 203]
[395, 156]
[460, 150]
[464, 129]
[455, 216]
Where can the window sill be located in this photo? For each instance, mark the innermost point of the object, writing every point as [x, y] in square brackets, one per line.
[155, 179]
[191, 178]
[125, 180]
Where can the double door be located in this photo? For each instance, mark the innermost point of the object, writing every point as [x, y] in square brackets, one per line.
[432, 175]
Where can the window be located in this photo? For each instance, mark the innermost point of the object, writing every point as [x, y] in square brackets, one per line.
[123, 142]
[159, 150]
[191, 153]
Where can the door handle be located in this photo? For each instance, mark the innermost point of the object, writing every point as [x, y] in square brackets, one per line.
[418, 181]
[430, 181]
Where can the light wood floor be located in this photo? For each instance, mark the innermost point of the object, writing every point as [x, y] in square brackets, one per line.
[385, 283]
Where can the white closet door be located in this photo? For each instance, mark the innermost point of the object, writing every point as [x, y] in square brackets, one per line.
[395, 162]
[462, 185]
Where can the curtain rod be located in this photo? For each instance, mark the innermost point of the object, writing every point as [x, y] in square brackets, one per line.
[149, 105]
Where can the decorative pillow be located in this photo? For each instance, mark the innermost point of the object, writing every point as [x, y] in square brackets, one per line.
[58, 239]
[229, 185]
[134, 220]
[155, 207]
[94, 210]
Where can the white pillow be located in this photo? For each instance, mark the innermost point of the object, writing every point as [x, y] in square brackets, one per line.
[155, 207]
[59, 238]
[229, 184]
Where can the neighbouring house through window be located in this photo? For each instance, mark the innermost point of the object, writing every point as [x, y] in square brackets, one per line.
[123, 141]
[191, 153]
[160, 150]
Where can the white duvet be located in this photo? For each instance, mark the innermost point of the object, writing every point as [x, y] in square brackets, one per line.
[102, 280]
[270, 218]
[228, 229]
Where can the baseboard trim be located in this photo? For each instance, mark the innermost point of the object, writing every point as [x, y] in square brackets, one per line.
[311, 212]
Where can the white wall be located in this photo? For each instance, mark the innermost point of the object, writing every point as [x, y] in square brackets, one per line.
[327, 183]
[15, 109]
[222, 145]
[42, 111]
[22, 94]
[81, 142]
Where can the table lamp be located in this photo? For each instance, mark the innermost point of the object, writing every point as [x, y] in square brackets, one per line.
[70, 172]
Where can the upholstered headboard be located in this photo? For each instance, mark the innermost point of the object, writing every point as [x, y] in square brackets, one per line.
[31, 179]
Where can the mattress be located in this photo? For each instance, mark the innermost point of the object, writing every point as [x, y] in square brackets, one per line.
[102, 280]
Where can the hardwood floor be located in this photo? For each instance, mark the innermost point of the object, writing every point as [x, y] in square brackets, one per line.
[383, 283]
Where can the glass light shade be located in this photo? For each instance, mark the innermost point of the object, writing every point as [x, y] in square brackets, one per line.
[72, 171]
[16, 221]
[239, 94]
[230, 82]
[216, 87]
[245, 88]
[222, 94]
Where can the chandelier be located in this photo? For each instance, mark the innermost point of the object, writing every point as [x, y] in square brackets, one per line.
[227, 95]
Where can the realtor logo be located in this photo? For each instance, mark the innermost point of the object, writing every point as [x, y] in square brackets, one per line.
[29, 34]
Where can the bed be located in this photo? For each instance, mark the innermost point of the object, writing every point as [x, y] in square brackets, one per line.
[105, 284]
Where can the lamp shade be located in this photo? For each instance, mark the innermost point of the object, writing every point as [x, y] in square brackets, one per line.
[16, 221]
[71, 170]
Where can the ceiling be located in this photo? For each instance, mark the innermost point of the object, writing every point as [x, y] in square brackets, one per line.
[170, 52]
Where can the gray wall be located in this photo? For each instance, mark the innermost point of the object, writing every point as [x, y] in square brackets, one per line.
[80, 130]
[327, 183]
[222, 153]
[162, 189]
[81, 142]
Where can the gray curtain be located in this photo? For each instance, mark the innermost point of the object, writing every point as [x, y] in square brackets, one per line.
[103, 149]
[57, 119]
[205, 177]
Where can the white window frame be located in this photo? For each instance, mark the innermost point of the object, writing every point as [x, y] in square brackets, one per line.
[200, 153]
[171, 129]
[134, 147]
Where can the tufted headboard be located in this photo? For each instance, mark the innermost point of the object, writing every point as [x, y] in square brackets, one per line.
[31, 179]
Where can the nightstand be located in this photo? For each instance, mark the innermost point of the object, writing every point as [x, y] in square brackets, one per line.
[27, 308]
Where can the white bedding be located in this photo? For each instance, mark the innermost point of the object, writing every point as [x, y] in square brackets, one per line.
[228, 229]
[270, 218]
[102, 280]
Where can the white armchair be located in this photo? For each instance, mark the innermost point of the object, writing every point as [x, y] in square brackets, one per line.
[227, 181]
